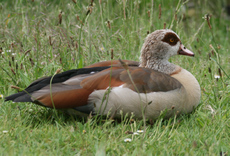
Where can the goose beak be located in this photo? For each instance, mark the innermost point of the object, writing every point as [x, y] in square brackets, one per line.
[183, 51]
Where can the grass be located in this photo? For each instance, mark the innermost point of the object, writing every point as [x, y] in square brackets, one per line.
[35, 43]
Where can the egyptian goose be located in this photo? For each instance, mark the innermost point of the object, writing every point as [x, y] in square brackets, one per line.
[111, 87]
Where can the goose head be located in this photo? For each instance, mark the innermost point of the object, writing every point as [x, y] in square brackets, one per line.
[158, 47]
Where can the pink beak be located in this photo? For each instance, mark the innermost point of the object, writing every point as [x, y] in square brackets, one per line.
[184, 51]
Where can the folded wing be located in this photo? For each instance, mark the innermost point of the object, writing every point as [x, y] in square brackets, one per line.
[71, 89]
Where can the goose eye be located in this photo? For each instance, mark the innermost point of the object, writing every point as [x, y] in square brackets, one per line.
[171, 40]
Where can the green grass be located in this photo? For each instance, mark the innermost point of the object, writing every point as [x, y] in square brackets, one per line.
[40, 45]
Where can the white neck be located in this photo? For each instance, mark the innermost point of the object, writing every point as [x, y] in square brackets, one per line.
[163, 66]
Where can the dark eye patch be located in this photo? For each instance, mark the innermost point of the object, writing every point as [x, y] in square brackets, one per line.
[170, 38]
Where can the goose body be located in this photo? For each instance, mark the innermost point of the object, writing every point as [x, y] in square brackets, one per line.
[123, 87]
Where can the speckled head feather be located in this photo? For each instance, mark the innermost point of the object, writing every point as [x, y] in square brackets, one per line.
[158, 47]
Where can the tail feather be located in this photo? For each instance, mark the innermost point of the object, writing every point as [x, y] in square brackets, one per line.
[19, 97]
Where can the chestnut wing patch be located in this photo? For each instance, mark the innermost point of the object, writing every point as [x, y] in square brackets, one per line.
[64, 97]
[104, 79]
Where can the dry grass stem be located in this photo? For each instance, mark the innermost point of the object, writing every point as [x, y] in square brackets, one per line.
[58, 71]
[159, 11]
[164, 26]
[111, 54]
[12, 70]
[60, 17]
[207, 18]
[109, 26]
[15, 87]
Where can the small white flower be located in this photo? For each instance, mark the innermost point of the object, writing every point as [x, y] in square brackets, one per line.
[102, 48]
[216, 76]
[127, 140]
[135, 133]
[9, 51]
[140, 131]
[13, 54]
[4, 131]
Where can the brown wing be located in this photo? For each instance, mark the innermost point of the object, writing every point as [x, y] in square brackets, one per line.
[64, 94]
[144, 80]
[148, 80]
[75, 91]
